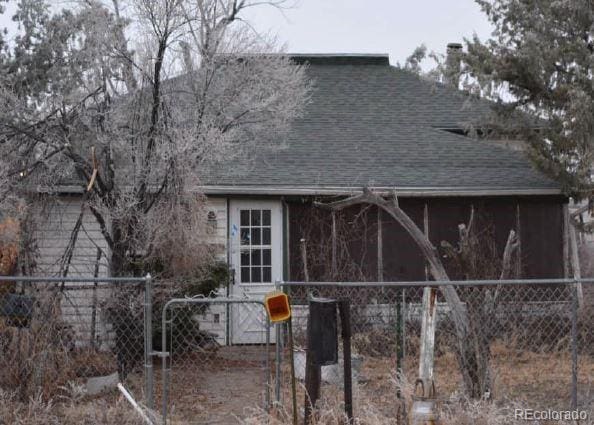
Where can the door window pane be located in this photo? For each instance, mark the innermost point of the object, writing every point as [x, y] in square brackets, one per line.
[266, 260]
[266, 274]
[245, 258]
[245, 274]
[245, 236]
[266, 236]
[256, 236]
[256, 217]
[245, 218]
[256, 257]
[265, 217]
[256, 276]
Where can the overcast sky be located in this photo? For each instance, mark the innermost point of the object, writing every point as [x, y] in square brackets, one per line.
[373, 26]
[395, 27]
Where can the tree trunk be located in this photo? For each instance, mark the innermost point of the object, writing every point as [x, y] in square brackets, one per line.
[472, 348]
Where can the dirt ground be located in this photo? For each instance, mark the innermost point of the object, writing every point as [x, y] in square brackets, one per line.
[220, 388]
[231, 384]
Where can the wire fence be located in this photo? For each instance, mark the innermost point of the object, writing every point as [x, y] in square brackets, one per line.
[530, 343]
[216, 360]
[63, 335]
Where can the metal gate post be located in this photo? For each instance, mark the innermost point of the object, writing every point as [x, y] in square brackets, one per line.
[268, 368]
[164, 369]
[574, 343]
[148, 341]
[277, 357]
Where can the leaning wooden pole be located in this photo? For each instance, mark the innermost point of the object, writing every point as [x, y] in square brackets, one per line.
[458, 311]
[457, 308]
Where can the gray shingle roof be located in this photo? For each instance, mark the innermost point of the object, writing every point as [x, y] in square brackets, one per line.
[371, 124]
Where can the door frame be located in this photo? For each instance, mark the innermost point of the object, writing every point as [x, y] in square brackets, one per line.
[255, 291]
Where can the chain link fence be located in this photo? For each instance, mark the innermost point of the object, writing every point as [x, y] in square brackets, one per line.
[216, 360]
[533, 341]
[63, 337]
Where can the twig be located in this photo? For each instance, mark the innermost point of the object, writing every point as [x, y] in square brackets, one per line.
[134, 404]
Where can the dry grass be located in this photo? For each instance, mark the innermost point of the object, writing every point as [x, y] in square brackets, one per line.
[113, 410]
[540, 380]
[40, 359]
[522, 379]
[373, 409]
[34, 360]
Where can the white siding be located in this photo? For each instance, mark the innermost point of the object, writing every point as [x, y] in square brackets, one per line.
[54, 229]
[218, 232]
[55, 224]
[214, 320]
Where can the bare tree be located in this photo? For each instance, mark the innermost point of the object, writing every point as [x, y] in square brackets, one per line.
[472, 349]
[138, 125]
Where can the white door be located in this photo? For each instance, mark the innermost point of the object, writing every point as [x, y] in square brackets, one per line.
[256, 257]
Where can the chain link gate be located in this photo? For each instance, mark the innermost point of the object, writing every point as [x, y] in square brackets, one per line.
[205, 379]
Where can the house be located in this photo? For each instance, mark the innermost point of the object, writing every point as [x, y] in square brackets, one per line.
[368, 125]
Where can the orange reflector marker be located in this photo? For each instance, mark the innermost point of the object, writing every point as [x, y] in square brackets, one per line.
[277, 306]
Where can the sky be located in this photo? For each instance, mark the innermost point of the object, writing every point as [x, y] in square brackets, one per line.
[395, 27]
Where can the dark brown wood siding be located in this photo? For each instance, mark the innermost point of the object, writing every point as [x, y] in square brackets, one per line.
[542, 238]
[541, 228]
[403, 260]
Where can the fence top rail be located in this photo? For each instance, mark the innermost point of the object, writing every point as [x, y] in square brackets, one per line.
[34, 279]
[219, 300]
[435, 283]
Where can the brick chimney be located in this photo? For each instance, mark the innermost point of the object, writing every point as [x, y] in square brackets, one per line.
[452, 65]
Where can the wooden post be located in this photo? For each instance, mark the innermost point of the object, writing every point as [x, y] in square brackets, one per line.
[566, 260]
[292, 360]
[380, 247]
[345, 320]
[94, 302]
[575, 264]
[399, 344]
[426, 232]
[313, 382]
[334, 248]
[519, 236]
[304, 260]
[428, 324]
[322, 349]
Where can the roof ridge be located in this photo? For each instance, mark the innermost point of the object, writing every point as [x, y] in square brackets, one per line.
[341, 58]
